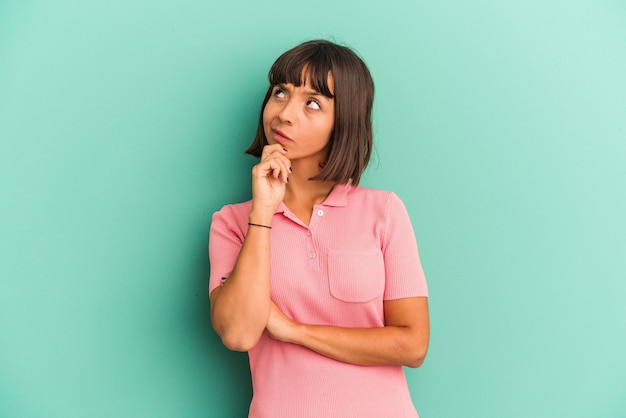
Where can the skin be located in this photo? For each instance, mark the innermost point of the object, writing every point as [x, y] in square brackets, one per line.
[298, 123]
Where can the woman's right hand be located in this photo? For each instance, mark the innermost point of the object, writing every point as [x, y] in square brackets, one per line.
[269, 178]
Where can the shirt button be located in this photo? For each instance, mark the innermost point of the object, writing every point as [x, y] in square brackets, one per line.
[320, 213]
[308, 233]
[312, 255]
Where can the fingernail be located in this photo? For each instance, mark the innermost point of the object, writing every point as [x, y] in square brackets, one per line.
[285, 149]
[290, 170]
[287, 179]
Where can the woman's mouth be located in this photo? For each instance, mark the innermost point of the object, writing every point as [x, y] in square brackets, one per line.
[280, 137]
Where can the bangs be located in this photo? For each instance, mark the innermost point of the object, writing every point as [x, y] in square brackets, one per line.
[296, 67]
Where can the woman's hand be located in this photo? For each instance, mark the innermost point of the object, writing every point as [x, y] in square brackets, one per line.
[269, 178]
[279, 326]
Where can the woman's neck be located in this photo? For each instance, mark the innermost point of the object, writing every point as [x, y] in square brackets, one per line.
[303, 191]
[302, 194]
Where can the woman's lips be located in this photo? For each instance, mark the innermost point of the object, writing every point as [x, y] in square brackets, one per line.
[280, 137]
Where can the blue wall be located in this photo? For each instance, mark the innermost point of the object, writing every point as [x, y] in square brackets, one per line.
[122, 126]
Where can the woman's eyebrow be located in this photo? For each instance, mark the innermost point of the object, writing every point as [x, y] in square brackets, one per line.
[309, 92]
[316, 93]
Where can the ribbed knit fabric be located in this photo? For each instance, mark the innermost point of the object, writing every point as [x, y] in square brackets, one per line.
[358, 250]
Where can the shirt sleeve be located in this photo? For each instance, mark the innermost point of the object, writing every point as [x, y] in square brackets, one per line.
[225, 241]
[404, 276]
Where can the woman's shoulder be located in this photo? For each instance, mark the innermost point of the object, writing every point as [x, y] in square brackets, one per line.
[234, 211]
[369, 195]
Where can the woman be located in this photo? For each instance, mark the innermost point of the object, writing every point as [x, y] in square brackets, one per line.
[318, 279]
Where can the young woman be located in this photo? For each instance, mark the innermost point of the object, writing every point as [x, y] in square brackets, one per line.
[318, 279]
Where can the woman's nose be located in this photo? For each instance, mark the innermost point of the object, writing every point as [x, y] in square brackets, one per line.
[287, 114]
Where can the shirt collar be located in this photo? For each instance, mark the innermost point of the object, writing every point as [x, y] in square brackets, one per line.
[338, 197]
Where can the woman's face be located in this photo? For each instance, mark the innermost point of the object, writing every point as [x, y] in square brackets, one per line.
[300, 119]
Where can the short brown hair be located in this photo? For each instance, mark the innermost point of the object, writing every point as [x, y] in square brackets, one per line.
[350, 145]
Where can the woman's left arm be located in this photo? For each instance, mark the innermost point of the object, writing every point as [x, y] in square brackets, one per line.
[402, 341]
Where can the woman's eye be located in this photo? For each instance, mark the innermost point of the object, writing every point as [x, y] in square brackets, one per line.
[313, 104]
[279, 93]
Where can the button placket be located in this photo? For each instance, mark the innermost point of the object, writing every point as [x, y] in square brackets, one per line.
[311, 250]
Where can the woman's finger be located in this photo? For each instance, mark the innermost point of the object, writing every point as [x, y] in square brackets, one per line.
[279, 164]
[270, 149]
[279, 169]
[276, 166]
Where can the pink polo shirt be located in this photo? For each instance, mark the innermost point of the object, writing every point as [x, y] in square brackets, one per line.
[358, 250]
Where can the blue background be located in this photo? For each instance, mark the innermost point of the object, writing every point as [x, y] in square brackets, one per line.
[122, 126]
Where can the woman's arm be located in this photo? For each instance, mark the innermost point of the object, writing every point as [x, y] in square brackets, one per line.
[402, 341]
[241, 307]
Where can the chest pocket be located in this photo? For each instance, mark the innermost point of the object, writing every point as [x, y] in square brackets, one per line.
[356, 276]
